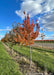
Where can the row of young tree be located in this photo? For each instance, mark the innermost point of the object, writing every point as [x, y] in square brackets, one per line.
[23, 34]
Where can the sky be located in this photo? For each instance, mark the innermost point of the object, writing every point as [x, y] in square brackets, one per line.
[11, 11]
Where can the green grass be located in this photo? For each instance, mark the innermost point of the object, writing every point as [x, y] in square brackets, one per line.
[7, 65]
[44, 59]
[43, 50]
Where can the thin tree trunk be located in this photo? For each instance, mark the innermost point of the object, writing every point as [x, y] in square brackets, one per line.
[30, 58]
[42, 43]
[12, 50]
[45, 72]
[17, 47]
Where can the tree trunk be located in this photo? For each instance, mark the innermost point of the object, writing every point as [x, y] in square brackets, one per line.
[17, 47]
[45, 72]
[12, 50]
[30, 58]
[42, 44]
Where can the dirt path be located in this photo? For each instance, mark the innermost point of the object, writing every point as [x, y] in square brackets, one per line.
[24, 63]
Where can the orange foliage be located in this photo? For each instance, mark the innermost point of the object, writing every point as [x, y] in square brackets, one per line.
[24, 33]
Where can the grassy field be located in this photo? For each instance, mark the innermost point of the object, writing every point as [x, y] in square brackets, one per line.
[7, 65]
[43, 58]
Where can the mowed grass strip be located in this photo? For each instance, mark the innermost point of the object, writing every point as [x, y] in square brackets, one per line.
[43, 59]
[42, 49]
[7, 65]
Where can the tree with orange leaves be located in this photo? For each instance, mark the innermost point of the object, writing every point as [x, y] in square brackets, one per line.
[28, 33]
[25, 33]
[5, 39]
[17, 35]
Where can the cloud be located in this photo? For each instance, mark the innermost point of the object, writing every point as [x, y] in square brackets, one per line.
[52, 35]
[1, 36]
[7, 29]
[2, 30]
[34, 7]
[47, 21]
[47, 37]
